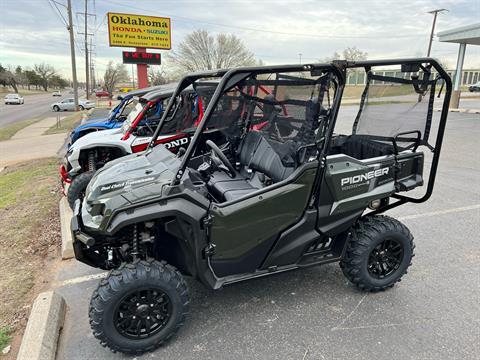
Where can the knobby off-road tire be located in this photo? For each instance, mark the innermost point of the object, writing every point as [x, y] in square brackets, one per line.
[56, 108]
[77, 188]
[139, 277]
[366, 262]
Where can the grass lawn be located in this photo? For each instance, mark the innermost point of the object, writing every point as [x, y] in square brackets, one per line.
[66, 124]
[29, 238]
[25, 92]
[8, 131]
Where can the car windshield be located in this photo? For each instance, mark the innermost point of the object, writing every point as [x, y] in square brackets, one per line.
[11, 96]
[137, 107]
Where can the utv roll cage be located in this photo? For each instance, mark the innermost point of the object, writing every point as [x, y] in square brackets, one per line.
[230, 78]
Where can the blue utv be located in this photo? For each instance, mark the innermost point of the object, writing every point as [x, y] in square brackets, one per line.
[115, 118]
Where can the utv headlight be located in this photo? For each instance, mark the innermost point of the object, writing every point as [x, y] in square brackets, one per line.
[97, 219]
[97, 209]
[375, 204]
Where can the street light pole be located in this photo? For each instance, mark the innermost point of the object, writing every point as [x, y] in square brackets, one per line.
[435, 13]
[72, 54]
[300, 57]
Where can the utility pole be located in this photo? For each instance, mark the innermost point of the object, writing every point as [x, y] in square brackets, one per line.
[300, 58]
[92, 71]
[87, 70]
[435, 13]
[72, 54]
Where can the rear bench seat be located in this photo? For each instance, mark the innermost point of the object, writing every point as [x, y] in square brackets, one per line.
[256, 154]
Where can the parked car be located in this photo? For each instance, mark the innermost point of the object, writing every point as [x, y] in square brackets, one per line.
[474, 87]
[14, 99]
[102, 93]
[299, 192]
[94, 150]
[68, 104]
[117, 115]
[56, 93]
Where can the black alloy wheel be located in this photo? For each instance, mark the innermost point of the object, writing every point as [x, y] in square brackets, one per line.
[385, 258]
[142, 313]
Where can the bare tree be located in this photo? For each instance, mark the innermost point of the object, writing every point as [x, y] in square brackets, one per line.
[328, 59]
[350, 54]
[157, 77]
[45, 72]
[354, 54]
[113, 75]
[8, 77]
[203, 51]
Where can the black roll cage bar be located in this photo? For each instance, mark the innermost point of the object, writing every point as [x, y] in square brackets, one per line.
[230, 77]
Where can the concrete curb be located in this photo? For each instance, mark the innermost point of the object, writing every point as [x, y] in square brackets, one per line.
[43, 328]
[65, 217]
[466, 111]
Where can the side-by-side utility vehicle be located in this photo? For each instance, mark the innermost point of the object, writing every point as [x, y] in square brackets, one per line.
[286, 184]
[117, 115]
[94, 150]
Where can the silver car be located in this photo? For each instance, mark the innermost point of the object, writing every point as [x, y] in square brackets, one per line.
[14, 99]
[69, 105]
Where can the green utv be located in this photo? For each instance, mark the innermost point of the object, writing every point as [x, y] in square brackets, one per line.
[284, 185]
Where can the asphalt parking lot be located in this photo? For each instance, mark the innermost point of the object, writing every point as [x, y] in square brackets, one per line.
[434, 313]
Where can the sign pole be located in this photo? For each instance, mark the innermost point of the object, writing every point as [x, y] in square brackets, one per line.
[142, 76]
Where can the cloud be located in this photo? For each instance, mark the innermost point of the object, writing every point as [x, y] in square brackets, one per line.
[276, 31]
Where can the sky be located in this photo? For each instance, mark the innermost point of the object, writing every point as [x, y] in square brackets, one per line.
[32, 31]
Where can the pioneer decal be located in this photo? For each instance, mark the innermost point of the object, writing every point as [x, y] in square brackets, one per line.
[362, 179]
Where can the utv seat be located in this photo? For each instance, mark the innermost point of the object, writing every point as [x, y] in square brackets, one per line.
[256, 155]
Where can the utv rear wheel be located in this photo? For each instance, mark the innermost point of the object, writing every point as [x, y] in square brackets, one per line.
[77, 188]
[56, 108]
[139, 306]
[378, 254]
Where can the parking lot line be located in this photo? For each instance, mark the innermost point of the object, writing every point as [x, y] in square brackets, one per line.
[80, 279]
[440, 212]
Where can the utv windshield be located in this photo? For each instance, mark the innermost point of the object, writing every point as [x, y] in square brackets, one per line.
[136, 107]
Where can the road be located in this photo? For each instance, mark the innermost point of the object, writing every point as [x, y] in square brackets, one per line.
[315, 313]
[36, 106]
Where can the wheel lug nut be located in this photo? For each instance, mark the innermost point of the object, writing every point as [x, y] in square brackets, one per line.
[148, 317]
[134, 317]
[138, 304]
[151, 305]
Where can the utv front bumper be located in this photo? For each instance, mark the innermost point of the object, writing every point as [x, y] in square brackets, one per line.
[84, 244]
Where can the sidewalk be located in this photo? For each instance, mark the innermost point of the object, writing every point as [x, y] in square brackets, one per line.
[29, 143]
[36, 129]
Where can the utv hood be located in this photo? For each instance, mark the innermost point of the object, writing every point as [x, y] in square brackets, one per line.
[133, 178]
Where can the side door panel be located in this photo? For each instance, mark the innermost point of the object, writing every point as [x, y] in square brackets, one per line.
[244, 231]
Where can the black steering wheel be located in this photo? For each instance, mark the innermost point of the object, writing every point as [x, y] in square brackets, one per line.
[218, 154]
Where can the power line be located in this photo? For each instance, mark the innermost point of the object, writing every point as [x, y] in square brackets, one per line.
[57, 11]
[329, 36]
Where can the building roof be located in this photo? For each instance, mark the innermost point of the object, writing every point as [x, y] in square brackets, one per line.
[469, 34]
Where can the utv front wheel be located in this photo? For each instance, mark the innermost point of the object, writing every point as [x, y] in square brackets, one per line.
[77, 188]
[379, 252]
[139, 306]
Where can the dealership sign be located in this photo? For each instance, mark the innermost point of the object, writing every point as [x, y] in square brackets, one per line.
[135, 57]
[128, 30]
